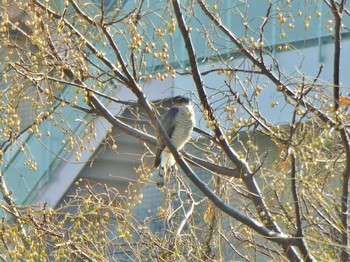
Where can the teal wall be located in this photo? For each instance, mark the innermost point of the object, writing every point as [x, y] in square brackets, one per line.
[20, 178]
[25, 183]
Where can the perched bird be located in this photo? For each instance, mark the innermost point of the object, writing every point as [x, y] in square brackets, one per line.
[178, 123]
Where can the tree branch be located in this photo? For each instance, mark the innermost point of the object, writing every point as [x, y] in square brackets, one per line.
[264, 69]
[241, 165]
[89, 45]
[337, 13]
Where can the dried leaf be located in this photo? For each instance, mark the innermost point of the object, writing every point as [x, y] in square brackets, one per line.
[209, 214]
[344, 100]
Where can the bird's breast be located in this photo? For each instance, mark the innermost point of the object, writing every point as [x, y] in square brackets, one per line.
[185, 122]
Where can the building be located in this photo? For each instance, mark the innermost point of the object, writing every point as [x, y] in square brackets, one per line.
[52, 178]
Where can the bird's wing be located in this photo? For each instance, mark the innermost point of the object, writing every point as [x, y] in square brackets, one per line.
[168, 122]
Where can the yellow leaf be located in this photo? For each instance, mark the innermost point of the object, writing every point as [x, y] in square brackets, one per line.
[344, 100]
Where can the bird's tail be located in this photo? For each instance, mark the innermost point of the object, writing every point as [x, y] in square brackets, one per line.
[157, 161]
[160, 179]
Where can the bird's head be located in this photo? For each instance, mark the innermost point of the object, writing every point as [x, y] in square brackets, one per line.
[180, 101]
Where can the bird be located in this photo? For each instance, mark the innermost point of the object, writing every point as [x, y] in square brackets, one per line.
[178, 122]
